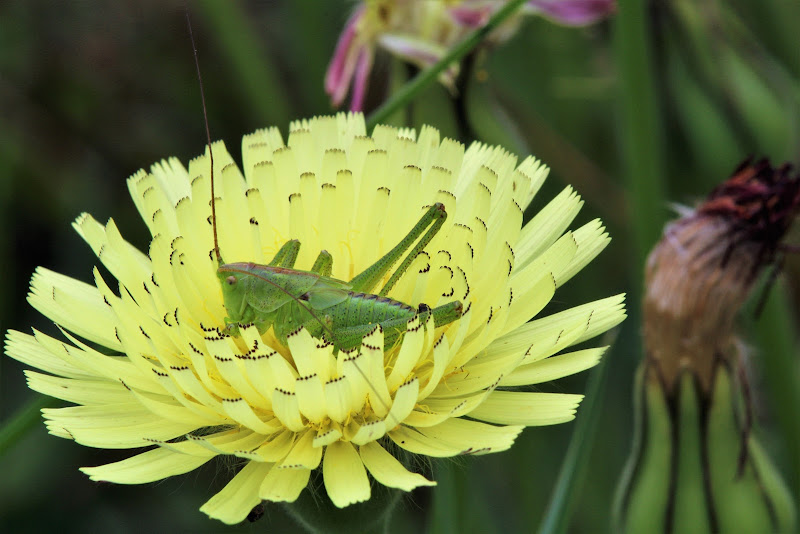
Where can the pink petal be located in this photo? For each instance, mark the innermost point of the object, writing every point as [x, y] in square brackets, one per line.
[573, 12]
[419, 52]
[413, 49]
[471, 17]
[361, 77]
[343, 62]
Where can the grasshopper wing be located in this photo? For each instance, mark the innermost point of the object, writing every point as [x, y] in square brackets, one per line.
[327, 292]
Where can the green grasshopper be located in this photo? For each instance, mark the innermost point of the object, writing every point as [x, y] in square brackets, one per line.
[285, 298]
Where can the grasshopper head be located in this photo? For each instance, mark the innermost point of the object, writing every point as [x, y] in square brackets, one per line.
[234, 291]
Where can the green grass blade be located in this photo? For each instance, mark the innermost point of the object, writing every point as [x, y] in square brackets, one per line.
[255, 77]
[776, 332]
[640, 124]
[556, 518]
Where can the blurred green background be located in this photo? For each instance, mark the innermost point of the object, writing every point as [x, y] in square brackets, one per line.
[92, 91]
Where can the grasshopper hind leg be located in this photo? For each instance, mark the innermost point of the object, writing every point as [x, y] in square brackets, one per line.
[442, 315]
[432, 221]
[287, 256]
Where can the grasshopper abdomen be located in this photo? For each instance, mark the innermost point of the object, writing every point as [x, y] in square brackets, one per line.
[355, 317]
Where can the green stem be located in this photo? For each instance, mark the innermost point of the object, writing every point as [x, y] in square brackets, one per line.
[640, 125]
[14, 428]
[557, 515]
[410, 90]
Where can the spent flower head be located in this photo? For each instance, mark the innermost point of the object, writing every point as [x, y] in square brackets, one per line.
[696, 465]
[701, 273]
[422, 33]
[177, 381]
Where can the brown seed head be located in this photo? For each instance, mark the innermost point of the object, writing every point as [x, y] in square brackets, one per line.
[701, 272]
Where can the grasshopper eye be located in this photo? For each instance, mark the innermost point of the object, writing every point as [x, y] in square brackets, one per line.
[231, 280]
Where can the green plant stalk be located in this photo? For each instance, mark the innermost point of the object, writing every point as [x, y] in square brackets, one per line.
[640, 125]
[558, 513]
[448, 500]
[424, 78]
[15, 428]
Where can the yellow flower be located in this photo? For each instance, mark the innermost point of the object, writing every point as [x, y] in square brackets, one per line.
[175, 383]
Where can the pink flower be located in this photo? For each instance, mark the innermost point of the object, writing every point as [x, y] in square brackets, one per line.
[421, 33]
[351, 60]
[573, 12]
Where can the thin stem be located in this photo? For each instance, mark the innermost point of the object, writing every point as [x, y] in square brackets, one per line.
[15, 428]
[410, 90]
[557, 515]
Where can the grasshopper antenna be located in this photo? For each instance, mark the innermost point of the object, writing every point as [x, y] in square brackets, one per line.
[208, 137]
[213, 195]
[214, 220]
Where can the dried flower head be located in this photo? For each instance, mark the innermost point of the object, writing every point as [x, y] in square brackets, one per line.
[701, 272]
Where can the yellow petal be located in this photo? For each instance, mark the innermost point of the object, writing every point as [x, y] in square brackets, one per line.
[529, 409]
[404, 400]
[75, 305]
[592, 239]
[78, 390]
[454, 437]
[547, 226]
[28, 350]
[118, 426]
[243, 413]
[239, 496]
[284, 485]
[345, 477]
[303, 454]
[156, 464]
[553, 367]
[388, 471]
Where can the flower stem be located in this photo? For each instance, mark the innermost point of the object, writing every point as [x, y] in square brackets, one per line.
[410, 90]
[557, 515]
[14, 428]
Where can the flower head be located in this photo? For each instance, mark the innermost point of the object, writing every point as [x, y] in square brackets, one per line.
[422, 33]
[701, 273]
[179, 383]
